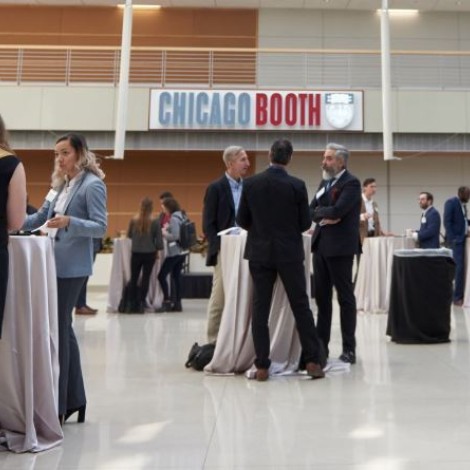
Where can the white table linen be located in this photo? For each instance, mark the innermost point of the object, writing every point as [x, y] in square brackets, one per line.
[29, 353]
[234, 352]
[372, 289]
[121, 274]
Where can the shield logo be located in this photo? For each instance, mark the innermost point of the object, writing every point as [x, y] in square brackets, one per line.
[339, 108]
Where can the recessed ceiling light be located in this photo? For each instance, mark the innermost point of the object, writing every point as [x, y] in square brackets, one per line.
[400, 12]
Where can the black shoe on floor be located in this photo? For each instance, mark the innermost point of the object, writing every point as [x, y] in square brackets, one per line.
[166, 307]
[348, 356]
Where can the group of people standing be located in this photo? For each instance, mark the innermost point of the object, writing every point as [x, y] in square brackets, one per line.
[428, 236]
[147, 236]
[273, 207]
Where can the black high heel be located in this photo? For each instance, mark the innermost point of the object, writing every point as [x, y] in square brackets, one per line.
[81, 414]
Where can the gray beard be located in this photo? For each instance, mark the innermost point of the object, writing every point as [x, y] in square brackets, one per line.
[326, 176]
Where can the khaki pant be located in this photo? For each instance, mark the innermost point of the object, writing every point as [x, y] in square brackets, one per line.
[216, 304]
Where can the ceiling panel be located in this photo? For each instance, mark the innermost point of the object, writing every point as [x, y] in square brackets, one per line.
[58, 2]
[326, 5]
[281, 3]
[192, 3]
[423, 5]
[237, 3]
[415, 4]
[453, 5]
[96, 3]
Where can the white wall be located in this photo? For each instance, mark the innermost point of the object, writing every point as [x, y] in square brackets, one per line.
[336, 29]
[81, 108]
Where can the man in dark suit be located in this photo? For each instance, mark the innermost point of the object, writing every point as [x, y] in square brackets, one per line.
[220, 207]
[456, 225]
[428, 234]
[274, 210]
[335, 209]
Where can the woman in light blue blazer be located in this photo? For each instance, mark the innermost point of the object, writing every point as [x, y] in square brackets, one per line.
[74, 213]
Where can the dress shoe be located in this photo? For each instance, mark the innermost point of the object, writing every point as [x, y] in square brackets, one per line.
[94, 310]
[177, 307]
[348, 356]
[166, 307]
[458, 303]
[85, 311]
[314, 370]
[261, 375]
[81, 414]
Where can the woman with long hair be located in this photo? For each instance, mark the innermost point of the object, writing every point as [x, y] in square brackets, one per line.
[74, 212]
[175, 257]
[12, 206]
[146, 235]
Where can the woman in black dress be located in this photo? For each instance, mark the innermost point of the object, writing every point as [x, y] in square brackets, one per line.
[12, 206]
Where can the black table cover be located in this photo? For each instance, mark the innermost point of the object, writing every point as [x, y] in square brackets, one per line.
[420, 299]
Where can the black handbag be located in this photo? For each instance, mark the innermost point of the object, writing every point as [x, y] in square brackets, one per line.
[200, 356]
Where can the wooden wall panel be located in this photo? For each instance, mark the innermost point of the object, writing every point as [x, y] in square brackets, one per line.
[100, 26]
[140, 174]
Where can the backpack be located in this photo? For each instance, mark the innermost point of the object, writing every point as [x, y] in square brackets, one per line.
[188, 236]
[200, 356]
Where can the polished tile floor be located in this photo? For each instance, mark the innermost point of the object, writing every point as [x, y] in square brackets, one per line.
[399, 408]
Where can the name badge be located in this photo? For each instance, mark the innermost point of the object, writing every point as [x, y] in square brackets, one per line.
[320, 193]
[51, 195]
[423, 220]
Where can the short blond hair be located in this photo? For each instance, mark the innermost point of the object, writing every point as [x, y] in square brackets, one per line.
[230, 153]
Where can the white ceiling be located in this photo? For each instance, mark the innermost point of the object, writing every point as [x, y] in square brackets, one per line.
[424, 5]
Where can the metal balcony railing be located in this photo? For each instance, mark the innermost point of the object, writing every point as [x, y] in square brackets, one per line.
[229, 68]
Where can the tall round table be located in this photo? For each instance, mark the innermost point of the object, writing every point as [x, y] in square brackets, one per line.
[29, 353]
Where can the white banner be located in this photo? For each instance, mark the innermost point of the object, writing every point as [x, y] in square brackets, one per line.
[256, 110]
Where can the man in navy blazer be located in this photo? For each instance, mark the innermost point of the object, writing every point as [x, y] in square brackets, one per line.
[428, 234]
[220, 203]
[336, 211]
[456, 225]
[274, 210]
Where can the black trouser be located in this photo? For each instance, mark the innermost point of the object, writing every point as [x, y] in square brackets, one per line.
[141, 262]
[172, 265]
[71, 387]
[293, 278]
[335, 271]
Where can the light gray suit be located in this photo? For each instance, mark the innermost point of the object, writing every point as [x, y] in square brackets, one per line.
[73, 248]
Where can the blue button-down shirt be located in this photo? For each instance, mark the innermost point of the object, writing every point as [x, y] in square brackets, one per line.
[236, 187]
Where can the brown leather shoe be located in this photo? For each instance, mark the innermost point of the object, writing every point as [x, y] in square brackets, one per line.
[314, 370]
[262, 375]
[85, 311]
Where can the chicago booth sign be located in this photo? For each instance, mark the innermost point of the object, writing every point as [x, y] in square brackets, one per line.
[256, 110]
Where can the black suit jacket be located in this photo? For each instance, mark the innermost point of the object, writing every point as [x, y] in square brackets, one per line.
[342, 201]
[274, 210]
[218, 214]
